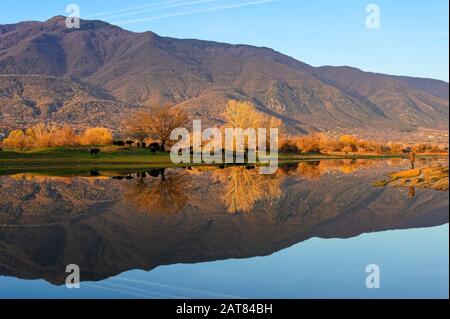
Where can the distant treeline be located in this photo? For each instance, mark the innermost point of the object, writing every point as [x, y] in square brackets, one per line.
[349, 144]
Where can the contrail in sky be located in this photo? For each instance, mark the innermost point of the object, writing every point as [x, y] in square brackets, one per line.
[211, 293]
[239, 5]
[165, 5]
[132, 8]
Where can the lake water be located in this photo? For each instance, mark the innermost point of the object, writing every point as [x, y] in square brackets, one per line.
[307, 232]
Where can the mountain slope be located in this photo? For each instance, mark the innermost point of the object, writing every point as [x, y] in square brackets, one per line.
[392, 94]
[144, 69]
[30, 99]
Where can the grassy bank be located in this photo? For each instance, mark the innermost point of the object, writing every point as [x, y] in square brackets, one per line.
[78, 160]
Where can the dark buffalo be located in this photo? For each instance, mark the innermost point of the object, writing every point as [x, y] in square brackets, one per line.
[129, 143]
[154, 147]
[407, 150]
[95, 151]
[119, 143]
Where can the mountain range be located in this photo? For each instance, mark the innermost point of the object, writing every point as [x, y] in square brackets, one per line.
[96, 74]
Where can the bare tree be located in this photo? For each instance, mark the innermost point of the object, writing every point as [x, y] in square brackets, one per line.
[138, 125]
[164, 119]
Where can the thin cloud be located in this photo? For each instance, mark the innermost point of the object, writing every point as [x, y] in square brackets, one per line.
[151, 283]
[131, 8]
[435, 34]
[157, 294]
[176, 5]
[118, 290]
[196, 11]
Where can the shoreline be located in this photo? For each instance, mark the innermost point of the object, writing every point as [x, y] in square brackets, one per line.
[78, 160]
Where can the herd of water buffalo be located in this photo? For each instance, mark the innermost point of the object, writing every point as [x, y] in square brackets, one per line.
[153, 147]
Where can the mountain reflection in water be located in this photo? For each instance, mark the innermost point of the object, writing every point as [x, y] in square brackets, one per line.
[110, 223]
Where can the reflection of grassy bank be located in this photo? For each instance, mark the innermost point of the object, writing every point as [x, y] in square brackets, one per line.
[428, 177]
[72, 161]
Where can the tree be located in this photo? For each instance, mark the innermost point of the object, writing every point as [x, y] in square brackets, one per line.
[243, 188]
[96, 136]
[39, 135]
[349, 143]
[242, 115]
[138, 125]
[64, 136]
[164, 119]
[168, 193]
[15, 139]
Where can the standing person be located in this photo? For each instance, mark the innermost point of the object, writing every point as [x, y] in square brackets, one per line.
[412, 158]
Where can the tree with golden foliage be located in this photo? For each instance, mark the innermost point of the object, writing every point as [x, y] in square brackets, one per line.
[313, 143]
[96, 136]
[244, 115]
[243, 188]
[15, 139]
[41, 135]
[64, 136]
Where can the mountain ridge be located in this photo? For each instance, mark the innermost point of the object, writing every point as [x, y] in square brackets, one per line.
[140, 69]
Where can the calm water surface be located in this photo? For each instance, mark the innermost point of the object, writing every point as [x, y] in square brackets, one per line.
[307, 232]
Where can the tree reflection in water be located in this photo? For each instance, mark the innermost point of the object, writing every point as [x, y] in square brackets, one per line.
[243, 187]
[239, 188]
[159, 191]
[411, 192]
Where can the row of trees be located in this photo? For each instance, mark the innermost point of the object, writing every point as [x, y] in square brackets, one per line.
[42, 135]
[348, 144]
[157, 123]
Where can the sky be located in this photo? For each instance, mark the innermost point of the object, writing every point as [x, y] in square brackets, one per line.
[411, 37]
